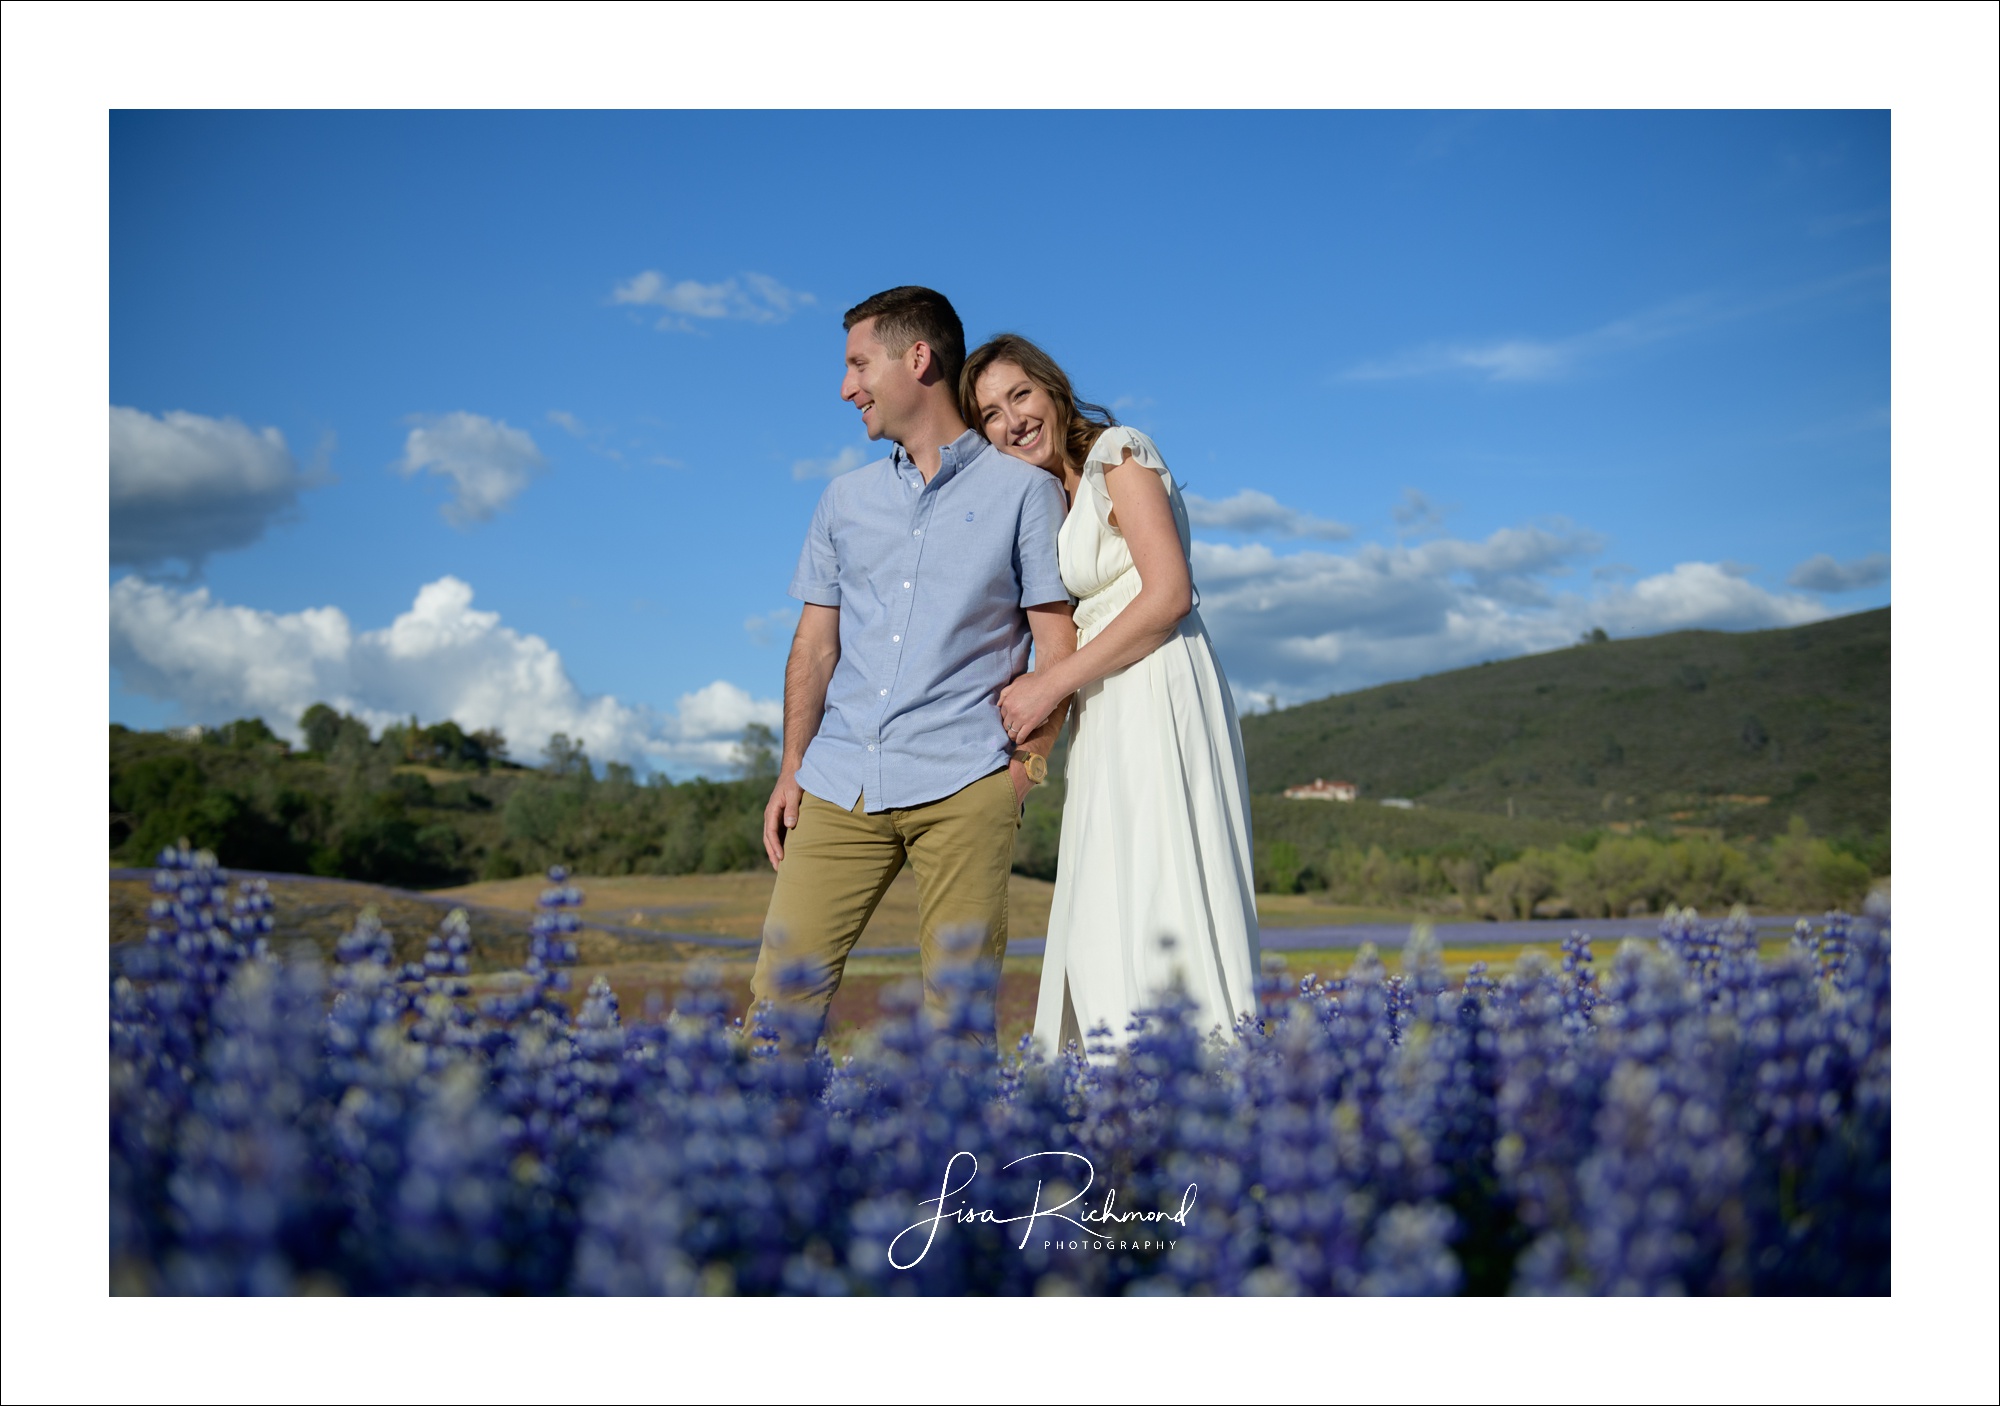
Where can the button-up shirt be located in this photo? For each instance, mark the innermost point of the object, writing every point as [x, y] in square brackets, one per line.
[932, 581]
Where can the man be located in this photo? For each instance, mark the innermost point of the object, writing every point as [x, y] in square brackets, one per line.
[923, 577]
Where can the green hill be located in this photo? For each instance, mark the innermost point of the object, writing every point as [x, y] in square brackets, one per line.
[1736, 732]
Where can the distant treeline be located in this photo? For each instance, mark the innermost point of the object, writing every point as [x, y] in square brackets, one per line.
[430, 806]
[1592, 874]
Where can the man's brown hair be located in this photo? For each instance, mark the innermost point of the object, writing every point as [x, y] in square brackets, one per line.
[906, 315]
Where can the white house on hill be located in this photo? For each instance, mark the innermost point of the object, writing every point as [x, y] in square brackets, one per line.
[1318, 790]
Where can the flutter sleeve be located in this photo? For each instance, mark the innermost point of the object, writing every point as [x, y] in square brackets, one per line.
[1109, 452]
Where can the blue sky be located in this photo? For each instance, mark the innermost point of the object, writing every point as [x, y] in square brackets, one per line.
[520, 418]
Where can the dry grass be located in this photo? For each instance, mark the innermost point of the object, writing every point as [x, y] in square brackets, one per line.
[734, 904]
[650, 973]
[1499, 957]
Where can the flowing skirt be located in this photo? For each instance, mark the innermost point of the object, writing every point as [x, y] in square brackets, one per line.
[1154, 885]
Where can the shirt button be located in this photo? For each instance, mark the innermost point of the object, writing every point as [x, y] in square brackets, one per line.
[895, 639]
[885, 693]
[906, 585]
[871, 746]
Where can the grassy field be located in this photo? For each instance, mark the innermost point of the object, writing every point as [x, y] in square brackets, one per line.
[649, 971]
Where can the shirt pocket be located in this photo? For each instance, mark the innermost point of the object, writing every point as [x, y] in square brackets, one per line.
[976, 546]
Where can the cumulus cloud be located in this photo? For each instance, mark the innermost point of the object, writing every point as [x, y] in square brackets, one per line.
[487, 462]
[184, 486]
[1313, 622]
[752, 297]
[1822, 573]
[845, 462]
[439, 659]
[1260, 515]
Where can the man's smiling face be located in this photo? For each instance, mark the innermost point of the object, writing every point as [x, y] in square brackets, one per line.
[884, 387]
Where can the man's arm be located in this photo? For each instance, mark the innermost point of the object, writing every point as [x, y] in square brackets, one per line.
[1055, 640]
[808, 671]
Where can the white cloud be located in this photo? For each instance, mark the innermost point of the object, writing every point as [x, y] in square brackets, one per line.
[845, 462]
[1823, 573]
[596, 440]
[184, 486]
[487, 462]
[1544, 359]
[754, 297]
[1415, 513]
[1533, 359]
[439, 659]
[771, 625]
[1699, 595]
[1260, 515]
[1826, 226]
[1314, 622]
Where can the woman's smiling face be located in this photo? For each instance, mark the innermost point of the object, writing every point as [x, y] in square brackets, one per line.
[1017, 415]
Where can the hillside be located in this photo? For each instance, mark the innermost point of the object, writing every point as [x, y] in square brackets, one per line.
[1699, 728]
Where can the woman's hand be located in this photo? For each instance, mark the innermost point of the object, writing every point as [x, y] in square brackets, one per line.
[1025, 704]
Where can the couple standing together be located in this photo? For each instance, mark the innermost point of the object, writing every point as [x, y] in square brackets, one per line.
[1007, 511]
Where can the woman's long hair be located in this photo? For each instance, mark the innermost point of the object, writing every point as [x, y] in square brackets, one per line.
[1078, 421]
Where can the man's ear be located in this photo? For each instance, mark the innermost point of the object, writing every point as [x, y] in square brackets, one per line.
[920, 360]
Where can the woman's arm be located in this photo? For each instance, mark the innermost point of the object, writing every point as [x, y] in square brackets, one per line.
[1146, 518]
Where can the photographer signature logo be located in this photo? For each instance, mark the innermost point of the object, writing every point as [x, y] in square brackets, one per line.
[1091, 1222]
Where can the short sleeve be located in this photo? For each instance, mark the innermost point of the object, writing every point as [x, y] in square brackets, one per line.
[1036, 561]
[817, 580]
[1109, 452]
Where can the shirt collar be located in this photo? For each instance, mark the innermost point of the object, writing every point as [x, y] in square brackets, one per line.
[951, 458]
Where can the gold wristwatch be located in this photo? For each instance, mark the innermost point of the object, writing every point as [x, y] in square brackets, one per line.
[1036, 767]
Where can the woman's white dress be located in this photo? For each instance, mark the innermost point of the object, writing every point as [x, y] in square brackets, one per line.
[1154, 884]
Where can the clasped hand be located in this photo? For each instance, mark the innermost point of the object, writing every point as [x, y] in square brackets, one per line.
[1025, 704]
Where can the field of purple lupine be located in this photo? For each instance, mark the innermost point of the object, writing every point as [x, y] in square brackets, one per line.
[1687, 1117]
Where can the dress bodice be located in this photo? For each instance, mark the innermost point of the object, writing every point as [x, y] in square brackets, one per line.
[1096, 561]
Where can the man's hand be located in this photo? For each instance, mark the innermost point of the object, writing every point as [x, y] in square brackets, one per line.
[781, 813]
[808, 670]
[1018, 774]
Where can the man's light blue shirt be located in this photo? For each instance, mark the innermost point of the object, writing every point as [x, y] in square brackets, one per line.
[932, 581]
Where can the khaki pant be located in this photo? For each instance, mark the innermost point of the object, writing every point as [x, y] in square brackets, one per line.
[837, 866]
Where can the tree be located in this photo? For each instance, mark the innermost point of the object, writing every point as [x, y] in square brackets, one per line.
[1463, 873]
[757, 754]
[444, 744]
[1522, 883]
[321, 725]
[564, 757]
[327, 731]
[1807, 872]
[246, 733]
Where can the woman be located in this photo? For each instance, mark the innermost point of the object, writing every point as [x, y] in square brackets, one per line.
[1153, 888]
